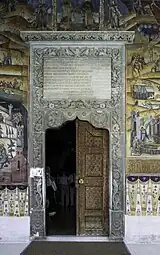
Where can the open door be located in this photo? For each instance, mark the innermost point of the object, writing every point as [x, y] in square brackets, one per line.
[92, 155]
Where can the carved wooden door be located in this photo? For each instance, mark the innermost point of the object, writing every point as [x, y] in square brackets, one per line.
[92, 154]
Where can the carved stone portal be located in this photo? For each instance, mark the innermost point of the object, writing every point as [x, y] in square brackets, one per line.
[107, 114]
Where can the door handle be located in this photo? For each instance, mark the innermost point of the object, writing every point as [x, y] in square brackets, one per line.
[81, 181]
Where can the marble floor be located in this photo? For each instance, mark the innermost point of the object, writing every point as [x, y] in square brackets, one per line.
[135, 249]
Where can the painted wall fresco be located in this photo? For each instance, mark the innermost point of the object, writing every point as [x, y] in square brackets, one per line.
[143, 100]
[143, 111]
[143, 82]
[13, 201]
[143, 196]
[78, 15]
[142, 85]
[26, 14]
[13, 95]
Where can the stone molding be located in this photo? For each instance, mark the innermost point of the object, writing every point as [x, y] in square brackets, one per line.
[110, 36]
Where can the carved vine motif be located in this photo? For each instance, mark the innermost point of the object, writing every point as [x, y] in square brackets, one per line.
[125, 36]
[100, 113]
[37, 223]
[117, 221]
[36, 191]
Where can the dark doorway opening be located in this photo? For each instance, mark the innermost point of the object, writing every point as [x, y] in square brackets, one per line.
[61, 170]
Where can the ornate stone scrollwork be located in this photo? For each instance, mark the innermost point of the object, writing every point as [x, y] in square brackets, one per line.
[99, 119]
[54, 118]
[36, 191]
[124, 36]
[117, 222]
[37, 223]
[100, 113]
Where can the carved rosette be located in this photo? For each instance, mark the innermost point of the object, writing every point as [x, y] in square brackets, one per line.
[100, 113]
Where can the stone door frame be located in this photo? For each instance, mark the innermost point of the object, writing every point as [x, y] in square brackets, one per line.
[107, 114]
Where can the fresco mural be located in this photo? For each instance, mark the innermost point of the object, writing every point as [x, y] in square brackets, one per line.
[143, 100]
[143, 82]
[143, 108]
[78, 15]
[26, 14]
[143, 195]
[142, 85]
[13, 108]
[14, 200]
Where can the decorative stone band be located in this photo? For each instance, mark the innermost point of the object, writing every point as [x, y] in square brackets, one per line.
[142, 166]
[118, 36]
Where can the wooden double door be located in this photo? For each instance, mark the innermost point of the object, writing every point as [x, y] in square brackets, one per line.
[92, 180]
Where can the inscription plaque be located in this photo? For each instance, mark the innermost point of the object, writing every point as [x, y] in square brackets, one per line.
[75, 78]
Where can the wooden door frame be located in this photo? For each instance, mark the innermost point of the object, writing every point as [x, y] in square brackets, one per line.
[107, 114]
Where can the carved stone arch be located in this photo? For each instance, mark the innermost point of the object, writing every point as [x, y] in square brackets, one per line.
[97, 118]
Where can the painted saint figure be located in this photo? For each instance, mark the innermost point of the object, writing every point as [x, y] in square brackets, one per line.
[41, 16]
[144, 134]
[79, 13]
[114, 15]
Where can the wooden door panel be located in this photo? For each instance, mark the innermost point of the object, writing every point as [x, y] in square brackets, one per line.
[92, 167]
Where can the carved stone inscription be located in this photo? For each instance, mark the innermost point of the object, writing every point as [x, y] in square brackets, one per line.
[78, 77]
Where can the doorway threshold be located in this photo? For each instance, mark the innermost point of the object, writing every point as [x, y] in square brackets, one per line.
[81, 239]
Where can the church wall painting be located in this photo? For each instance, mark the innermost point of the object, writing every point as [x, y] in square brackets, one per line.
[13, 113]
[143, 195]
[143, 108]
[17, 16]
[26, 14]
[143, 100]
[78, 15]
[14, 200]
[14, 56]
[142, 86]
